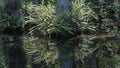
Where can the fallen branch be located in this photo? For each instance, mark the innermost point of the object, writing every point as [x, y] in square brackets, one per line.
[98, 36]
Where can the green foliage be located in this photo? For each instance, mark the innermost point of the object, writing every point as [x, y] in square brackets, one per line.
[1, 2]
[39, 50]
[49, 22]
[43, 16]
[81, 18]
[83, 15]
[6, 37]
[7, 21]
[107, 53]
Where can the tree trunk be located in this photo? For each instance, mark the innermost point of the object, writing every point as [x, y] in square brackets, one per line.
[63, 6]
[109, 1]
[13, 51]
[36, 2]
[12, 6]
[119, 13]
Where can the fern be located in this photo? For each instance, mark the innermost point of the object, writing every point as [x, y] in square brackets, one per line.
[6, 37]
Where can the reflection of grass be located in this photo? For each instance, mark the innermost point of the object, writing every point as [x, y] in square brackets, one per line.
[1, 3]
[117, 57]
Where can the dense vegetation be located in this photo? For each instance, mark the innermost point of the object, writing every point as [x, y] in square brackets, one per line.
[59, 33]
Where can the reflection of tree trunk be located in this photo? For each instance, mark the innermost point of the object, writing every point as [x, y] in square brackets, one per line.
[66, 61]
[66, 52]
[41, 64]
[74, 62]
[92, 60]
[15, 54]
